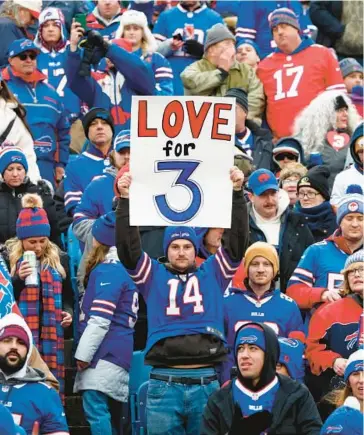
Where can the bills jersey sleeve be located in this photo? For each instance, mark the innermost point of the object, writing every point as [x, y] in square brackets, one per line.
[54, 417]
[143, 273]
[319, 269]
[291, 82]
[223, 268]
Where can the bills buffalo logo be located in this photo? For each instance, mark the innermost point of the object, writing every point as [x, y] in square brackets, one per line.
[353, 206]
[16, 159]
[249, 339]
[43, 144]
[351, 339]
[289, 341]
[263, 178]
[26, 43]
[334, 429]
[359, 366]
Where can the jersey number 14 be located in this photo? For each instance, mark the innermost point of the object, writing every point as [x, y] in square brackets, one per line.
[191, 295]
[295, 72]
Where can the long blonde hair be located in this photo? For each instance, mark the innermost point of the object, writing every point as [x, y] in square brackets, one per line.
[49, 258]
[338, 397]
[96, 256]
[11, 10]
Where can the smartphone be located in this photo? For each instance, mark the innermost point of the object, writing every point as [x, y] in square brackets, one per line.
[81, 18]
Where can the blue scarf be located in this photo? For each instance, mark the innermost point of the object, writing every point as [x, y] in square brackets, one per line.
[320, 219]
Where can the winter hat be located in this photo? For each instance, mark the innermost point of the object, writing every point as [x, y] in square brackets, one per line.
[262, 249]
[355, 363]
[217, 33]
[251, 334]
[351, 263]
[289, 145]
[249, 42]
[340, 103]
[32, 220]
[200, 235]
[175, 233]
[352, 202]
[122, 140]
[358, 132]
[138, 19]
[20, 45]
[12, 154]
[240, 96]
[262, 180]
[7, 425]
[51, 14]
[292, 169]
[34, 6]
[291, 356]
[15, 331]
[350, 65]
[345, 420]
[317, 178]
[283, 16]
[103, 230]
[94, 113]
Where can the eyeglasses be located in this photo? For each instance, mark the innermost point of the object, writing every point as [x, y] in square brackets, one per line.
[289, 156]
[24, 56]
[353, 272]
[310, 195]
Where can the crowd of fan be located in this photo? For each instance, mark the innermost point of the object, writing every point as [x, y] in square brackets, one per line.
[253, 329]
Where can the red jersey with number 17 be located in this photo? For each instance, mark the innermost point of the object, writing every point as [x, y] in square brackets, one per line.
[292, 81]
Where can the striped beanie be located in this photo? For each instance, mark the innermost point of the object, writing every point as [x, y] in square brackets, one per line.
[122, 140]
[350, 264]
[355, 363]
[352, 202]
[283, 16]
[32, 220]
[12, 154]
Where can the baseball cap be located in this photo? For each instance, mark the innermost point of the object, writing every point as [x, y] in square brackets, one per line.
[262, 180]
[20, 45]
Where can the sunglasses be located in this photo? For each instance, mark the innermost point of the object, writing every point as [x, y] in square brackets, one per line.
[24, 56]
[282, 156]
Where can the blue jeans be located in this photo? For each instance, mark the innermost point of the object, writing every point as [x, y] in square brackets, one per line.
[97, 410]
[176, 409]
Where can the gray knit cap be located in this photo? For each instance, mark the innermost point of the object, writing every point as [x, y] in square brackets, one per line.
[350, 65]
[219, 32]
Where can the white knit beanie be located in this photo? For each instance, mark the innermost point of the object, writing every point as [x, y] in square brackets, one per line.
[138, 19]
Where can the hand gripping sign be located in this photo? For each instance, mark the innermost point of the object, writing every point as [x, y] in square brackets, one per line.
[181, 154]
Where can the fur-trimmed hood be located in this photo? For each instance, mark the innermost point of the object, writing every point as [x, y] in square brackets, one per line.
[319, 117]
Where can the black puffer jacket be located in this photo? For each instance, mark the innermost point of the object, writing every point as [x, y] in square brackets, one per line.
[294, 411]
[10, 206]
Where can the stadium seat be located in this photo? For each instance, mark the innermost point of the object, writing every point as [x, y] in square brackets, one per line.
[74, 254]
[138, 376]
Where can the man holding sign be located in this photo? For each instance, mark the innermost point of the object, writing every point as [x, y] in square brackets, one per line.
[185, 317]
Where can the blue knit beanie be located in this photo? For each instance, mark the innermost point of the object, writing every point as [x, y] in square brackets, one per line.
[345, 420]
[350, 65]
[12, 154]
[175, 233]
[249, 42]
[283, 16]
[352, 202]
[355, 363]
[122, 140]
[103, 230]
[251, 334]
[291, 356]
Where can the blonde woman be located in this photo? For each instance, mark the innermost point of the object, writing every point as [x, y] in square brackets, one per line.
[108, 315]
[14, 129]
[47, 305]
[134, 28]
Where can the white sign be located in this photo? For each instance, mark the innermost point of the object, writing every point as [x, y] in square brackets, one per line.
[182, 149]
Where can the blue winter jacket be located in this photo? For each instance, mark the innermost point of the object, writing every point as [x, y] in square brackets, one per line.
[46, 116]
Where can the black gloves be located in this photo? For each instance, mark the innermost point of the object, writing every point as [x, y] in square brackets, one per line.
[193, 48]
[255, 424]
[95, 48]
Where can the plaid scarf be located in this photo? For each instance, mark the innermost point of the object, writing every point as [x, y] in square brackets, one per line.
[41, 308]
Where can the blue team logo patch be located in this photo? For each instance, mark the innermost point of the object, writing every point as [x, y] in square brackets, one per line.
[359, 366]
[43, 144]
[16, 159]
[26, 43]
